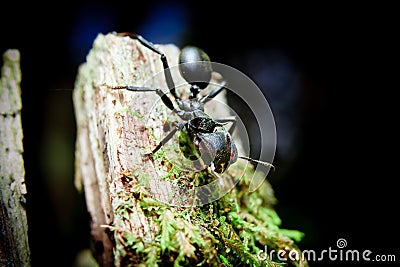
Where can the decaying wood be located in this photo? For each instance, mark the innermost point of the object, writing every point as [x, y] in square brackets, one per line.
[111, 136]
[14, 248]
[115, 128]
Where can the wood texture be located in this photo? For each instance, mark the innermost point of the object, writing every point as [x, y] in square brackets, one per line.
[112, 136]
[110, 140]
[137, 218]
[14, 247]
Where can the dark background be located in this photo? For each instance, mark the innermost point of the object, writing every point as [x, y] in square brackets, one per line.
[325, 70]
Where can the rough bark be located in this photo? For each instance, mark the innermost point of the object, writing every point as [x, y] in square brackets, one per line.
[14, 248]
[130, 224]
[111, 137]
[109, 140]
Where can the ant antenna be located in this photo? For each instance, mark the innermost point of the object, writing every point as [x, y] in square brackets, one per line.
[264, 163]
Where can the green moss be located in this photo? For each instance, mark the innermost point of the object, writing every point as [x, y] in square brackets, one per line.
[187, 147]
[224, 260]
[130, 112]
[231, 231]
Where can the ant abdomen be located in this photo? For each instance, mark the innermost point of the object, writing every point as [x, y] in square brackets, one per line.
[195, 66]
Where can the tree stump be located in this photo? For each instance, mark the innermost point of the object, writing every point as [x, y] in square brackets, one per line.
[132, 220]
[14, 247]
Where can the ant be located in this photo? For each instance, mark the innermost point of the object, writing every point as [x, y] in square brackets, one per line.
[210, 139]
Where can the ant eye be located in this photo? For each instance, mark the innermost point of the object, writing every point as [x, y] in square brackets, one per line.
[195, 66]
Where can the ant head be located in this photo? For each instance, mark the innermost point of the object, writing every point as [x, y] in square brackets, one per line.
[195, 67]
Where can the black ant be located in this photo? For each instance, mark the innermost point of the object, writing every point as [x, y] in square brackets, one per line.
[210, 139]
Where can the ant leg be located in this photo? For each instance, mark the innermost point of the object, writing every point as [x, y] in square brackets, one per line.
[264, 163]
[232, 119]
[163, 142]
[167, 71]
[213, 93]
[165, 99]
[167, 138]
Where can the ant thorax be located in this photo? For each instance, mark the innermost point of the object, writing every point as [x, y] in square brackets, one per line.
[190, 109]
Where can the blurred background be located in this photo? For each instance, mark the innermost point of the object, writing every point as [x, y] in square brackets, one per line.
[324, 69]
